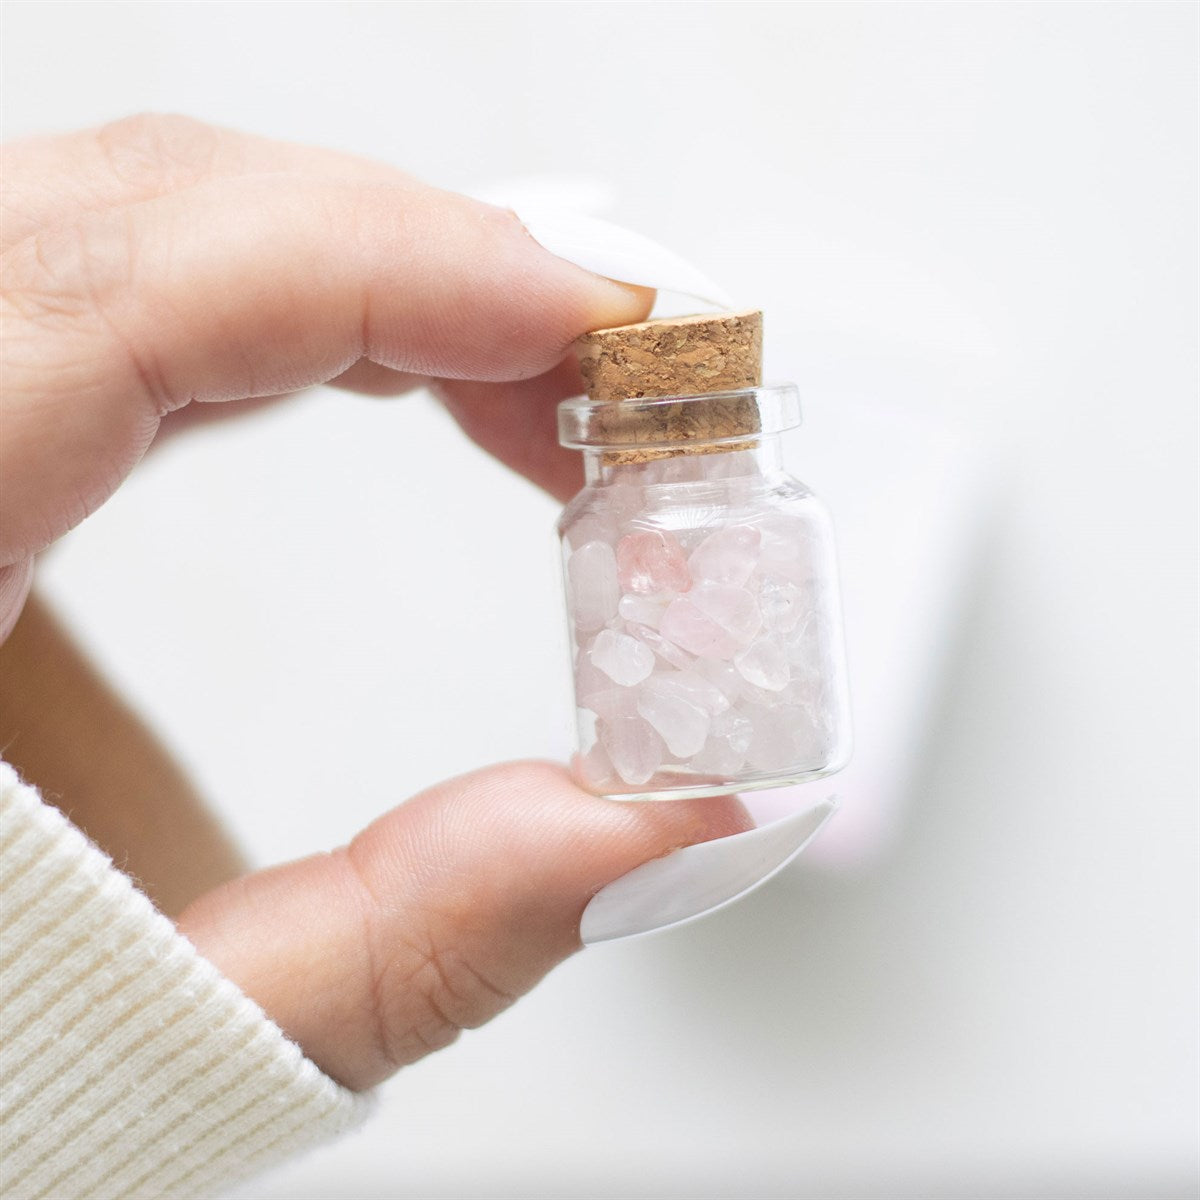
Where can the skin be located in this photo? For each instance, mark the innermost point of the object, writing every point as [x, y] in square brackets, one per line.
[158, 272]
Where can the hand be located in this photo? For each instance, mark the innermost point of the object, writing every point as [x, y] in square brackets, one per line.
[157, 266]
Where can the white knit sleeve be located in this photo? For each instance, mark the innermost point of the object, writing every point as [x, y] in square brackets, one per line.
[129, 1066]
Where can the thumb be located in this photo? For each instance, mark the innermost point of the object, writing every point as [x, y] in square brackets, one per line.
[437, 916]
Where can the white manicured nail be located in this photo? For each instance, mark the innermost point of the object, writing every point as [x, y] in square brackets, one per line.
[698, 879]
[618, 253]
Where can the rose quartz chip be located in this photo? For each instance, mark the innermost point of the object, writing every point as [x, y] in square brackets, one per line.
[787, 551]
[590, 528]
[718, 758]
[594, 767]
[588, 677]
[622, 658]
[592, 572]
[777, 732]
[643, 610]
[685, 625]
[764, 663]
[689, 686]
[596, 692]
[723, 675]
[726, 556]
[736, 727]
[782, 605]
[667, 651]
[806, 648]
[734, 609]
[633, 748]
[650, 561]
[724, 753]
[611, 703]
[682, 724]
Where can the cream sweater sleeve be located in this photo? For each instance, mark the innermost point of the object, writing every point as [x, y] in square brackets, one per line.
[129, 1067]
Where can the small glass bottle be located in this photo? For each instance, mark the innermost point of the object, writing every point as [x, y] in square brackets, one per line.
[702, 599]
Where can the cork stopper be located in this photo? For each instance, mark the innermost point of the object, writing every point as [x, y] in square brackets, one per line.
[673, 356]
[676, 356]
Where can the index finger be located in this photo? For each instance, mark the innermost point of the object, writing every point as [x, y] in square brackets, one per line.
[248, 287]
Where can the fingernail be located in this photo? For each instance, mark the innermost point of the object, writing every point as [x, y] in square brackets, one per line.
[617, 253]
[698, 879]
[15, 582]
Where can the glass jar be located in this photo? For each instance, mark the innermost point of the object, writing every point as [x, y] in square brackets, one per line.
[702, 600]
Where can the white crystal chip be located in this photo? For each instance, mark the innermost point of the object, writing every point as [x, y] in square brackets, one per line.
[592, 572]
[622, 658]
[713, 620]
[692, 687]
[771, 746]
[643, 610]
[595, 768]
[596, 692]
[675, 714]
[787, 551]
[724, 675]
[727, 555]
[666, 650]
[686, 626]
[783, 739]
[764, 663]
[736, 729]
[724, 753]
[734, 609]
[782, 605]
[633, 748]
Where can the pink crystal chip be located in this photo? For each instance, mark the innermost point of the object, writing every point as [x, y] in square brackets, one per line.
[727, 555]
[689, 686]
[773, 744]
[633, 748]
[643, 610]
[764, 664]
[787, 552]
[782, 605]
[675, 714]
[622, 658]
[724, 676]
[667, 651]
[651, 562]
[734, 609]
[596, 691]
[687, 627]
[724, 753]
[592, 572]
[594, 767]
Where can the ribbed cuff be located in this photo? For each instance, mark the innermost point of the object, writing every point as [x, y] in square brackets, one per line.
[130, 1066]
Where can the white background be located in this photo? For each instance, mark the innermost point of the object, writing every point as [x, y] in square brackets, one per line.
[981, 212]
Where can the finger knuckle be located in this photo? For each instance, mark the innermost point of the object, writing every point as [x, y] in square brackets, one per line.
[154, 152]
[65, 270]
[429, 996]
[71, 278]
[424, 990]
[456, 991]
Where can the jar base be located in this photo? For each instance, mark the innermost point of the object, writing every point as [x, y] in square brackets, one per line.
[697, 790]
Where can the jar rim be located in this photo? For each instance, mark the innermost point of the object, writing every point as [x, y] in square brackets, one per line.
[648, 422]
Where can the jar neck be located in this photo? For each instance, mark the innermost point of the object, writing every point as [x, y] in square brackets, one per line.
[760, 455]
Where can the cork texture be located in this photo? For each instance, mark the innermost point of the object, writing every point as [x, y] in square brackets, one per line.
[675, 356]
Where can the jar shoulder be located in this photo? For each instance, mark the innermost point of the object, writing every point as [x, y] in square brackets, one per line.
[702, 501]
